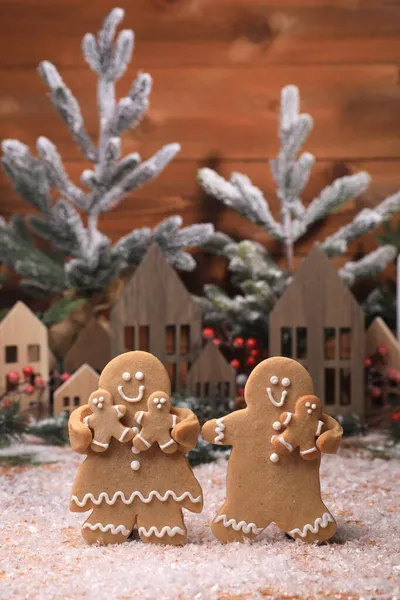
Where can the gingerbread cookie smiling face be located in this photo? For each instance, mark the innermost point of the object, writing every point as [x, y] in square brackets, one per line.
[268, 479]
[156, 424]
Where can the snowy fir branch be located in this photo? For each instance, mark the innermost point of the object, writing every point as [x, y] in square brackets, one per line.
[254, 272]
[86, 259]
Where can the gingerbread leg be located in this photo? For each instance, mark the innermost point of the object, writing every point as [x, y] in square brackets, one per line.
[161, 523]
[109, 524]
[310, 523]
[168, 445]
[232, 525]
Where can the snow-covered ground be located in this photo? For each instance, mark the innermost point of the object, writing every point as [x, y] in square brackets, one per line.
[43, 556]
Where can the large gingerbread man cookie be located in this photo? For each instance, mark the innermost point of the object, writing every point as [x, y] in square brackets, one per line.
[156, 424]
[105, 421]
[125, 489]
[269, 481]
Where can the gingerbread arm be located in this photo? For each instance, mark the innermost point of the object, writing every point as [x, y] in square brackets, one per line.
[80, 436]
[187, 430]
[222, 431]
[329, 440]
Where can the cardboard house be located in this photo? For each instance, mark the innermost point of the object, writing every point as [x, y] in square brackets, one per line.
[92, 346]
[76, 390]
[318, 322]
[23, 342]
[156, 313]
[211, 375]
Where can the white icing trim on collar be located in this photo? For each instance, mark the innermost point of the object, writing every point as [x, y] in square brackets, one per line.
[121, 439]
[128, 398]
[274, 402]
[100, 444]
[167, 444]
[110, 527]
[242, 525]
[320, 522]
[282, 441]
[146, 499]
[219, 430]
[171, 531]
[320, 426]
[309, 451]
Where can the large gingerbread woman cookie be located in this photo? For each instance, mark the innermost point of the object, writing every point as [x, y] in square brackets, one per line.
[126, 489]
[269, 480]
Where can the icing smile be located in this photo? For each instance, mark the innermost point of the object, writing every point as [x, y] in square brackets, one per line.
[128, 398]
[275, 402]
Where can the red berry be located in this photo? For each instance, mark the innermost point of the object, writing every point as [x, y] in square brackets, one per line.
[241, 393]
[29, 389]
[367, 362]
[255, 353]
[238, 342]
[382, 350]
[28, 371]
[235, 364]
[376, 392]
[216, 341]
[251, 343]
[7, 403]
[396, 417]
[13, 377]
[64, 377]
[39, 382]
[251, 361]
[208, 333]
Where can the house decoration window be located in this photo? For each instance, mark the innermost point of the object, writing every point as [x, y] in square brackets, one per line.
[144, 338]
[329, 343]
[301, 343]
[11, 354]
[287, 341]
[345, 343]
[66, 401]
[33, 353]
[184, 339]
[170, 339]
[77, 401]
[129, 338]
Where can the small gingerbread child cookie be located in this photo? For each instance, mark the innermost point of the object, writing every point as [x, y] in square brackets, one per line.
[301, 428]
[156, 425]
[104, 422]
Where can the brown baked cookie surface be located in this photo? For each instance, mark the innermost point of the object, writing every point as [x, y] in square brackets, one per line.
[123, 487]
[273, 470]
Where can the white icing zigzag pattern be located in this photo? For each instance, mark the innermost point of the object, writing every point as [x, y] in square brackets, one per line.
[154, 494]
[110, 527]
[245, 527]
[153, 530]
[320, 522]
[219, 430]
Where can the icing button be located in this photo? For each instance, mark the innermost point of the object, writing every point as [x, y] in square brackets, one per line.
[274, 457]
[135, 465]
[135, 450]
[276, 425]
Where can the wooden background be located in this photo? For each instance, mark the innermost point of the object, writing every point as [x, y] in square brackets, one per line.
[218, 67]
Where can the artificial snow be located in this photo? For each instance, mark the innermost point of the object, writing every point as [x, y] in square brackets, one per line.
[42, 554]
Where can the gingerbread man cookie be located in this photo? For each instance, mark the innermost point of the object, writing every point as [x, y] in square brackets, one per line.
[105, 421]
[301, 428]
[264, 486]
[156, 424]
[126, 489]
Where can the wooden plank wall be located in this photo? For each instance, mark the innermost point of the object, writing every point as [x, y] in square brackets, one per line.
[218, 67]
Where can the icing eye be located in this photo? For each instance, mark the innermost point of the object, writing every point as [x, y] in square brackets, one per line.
[308, 404]
[285, 382]
[163, 400]
[274, 379]
[126, 376]
[155, 400]
[95, 401]
[139, 375]
[314, 406]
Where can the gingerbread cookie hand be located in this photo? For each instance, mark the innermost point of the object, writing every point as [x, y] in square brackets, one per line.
[301, 428]
[105, 421]
[156, 424]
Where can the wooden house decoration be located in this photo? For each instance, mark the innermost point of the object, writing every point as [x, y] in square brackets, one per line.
[156, 313]
[23, 342]
[318, 322]
[92, 346]
[76, 390]
[211, 376]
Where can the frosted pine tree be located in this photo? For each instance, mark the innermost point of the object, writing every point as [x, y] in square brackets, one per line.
[254, 271]
[83, 258]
